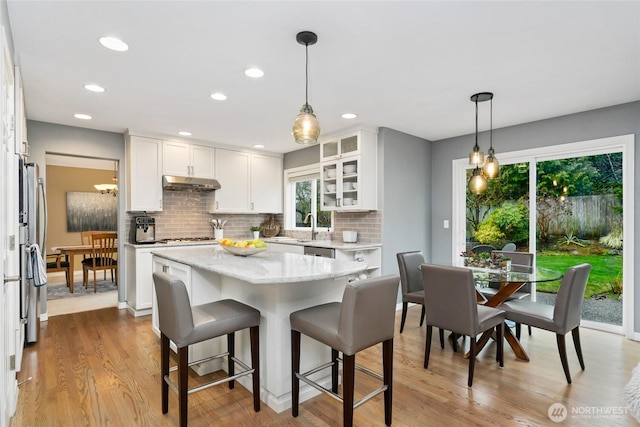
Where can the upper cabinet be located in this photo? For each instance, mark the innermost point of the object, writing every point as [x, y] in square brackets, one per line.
[338, 148]
[349, 172]
[182, 159]
[251, 183]
[144, 174]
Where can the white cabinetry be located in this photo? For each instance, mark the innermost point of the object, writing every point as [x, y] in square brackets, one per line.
[372, 256]
[349, 172]
[194, 286]
[182, 159]
[138, 278]
[144, 174]
[251, 183]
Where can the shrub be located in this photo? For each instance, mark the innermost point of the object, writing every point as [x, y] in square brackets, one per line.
[613, 240]
[510, 222]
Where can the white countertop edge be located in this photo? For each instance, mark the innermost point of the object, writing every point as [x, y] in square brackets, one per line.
[248, 269]
[335, 244]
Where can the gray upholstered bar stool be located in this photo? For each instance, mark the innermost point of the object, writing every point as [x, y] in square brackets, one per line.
[365, 317]
[186, 325]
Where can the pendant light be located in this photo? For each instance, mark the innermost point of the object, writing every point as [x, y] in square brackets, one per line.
[478, 181]
[491, 168]
[306, 128]
[110, 188]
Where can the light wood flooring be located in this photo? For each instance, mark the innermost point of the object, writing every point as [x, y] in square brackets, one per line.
[78, 304]
[101, 368]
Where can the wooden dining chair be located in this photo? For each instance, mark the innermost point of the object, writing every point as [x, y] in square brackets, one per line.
[59, 262]
[85, 237]
[103, 253]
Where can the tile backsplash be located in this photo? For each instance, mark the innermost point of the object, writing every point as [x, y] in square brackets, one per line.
[185, 215]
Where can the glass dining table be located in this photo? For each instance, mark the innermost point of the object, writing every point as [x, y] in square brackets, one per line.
[507, 282]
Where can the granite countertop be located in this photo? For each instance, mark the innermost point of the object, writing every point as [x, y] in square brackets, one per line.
[171, 244]
[264, 268]
[335, 244]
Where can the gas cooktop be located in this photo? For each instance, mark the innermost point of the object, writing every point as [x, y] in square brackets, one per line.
[185, 240]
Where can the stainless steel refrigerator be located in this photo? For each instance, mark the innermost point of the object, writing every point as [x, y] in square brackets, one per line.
[32, 220]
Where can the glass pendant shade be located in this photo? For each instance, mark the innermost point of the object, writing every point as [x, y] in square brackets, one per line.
[478, 183]
[306, 128]
[491, 168]
[110, 188]
[106, 188]
[476, 157]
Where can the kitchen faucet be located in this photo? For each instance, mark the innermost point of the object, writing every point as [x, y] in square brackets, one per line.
[314, 233]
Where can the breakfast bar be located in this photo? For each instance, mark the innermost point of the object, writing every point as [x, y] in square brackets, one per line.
[275, 283]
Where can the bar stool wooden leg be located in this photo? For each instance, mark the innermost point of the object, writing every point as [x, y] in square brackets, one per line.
[348, 382]
[334, 370]
[387, 367]
[164, 370]
[295, 369]
[231, 348]
[183, 386]
[254, 333]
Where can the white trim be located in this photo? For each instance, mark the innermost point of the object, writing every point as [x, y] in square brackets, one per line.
[622, 143]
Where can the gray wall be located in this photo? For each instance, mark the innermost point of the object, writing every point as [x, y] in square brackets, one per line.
[606, 122]
[303, 157]
[58, 139]
[405, 182]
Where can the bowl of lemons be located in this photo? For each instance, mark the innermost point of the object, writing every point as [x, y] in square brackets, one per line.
[243, 247]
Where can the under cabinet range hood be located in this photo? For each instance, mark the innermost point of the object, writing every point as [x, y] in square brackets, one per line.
[182, 183]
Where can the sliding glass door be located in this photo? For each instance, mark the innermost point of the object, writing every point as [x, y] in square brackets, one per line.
[567, 204]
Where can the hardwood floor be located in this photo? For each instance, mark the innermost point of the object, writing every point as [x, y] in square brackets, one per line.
[101, 368]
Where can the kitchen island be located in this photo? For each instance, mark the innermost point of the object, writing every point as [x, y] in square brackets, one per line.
[275, 283]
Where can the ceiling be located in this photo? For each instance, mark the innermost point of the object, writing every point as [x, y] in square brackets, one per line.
[411, 66]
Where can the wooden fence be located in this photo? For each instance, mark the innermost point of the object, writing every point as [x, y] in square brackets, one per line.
[591, 217]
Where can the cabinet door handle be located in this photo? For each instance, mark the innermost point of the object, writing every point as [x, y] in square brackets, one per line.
[217, 205]
[251, 205]
[165, 268]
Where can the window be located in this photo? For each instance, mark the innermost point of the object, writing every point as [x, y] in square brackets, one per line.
[302, 197]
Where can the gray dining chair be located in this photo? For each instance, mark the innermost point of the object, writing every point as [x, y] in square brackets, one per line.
[478, 249]
[561, 318]
[412, 287]
[520, 262]
[450, 299]
[509, 247]
[410, 282]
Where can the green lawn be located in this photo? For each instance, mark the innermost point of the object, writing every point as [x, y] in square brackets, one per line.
[606, 271]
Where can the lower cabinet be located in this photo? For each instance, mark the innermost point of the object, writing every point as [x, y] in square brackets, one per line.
[139, 281]
[193, 284]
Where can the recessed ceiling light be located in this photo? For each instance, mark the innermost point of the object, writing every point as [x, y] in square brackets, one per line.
[82, 116]
[94, 88]
[254, 72]
[218, 96]
[258, 146]
[349, 116]
[113, 44]
[184, 133]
